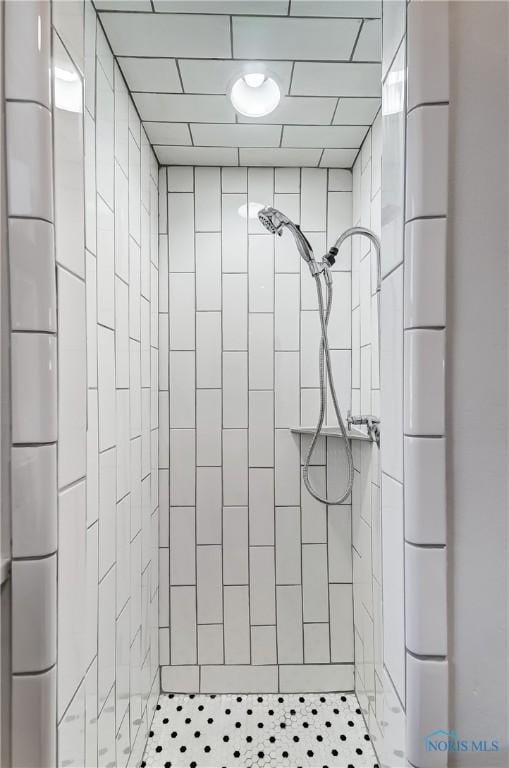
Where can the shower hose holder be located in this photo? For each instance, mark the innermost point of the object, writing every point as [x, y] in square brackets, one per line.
[371, 422]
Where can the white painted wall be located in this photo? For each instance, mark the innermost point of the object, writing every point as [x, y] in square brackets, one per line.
[477, 413]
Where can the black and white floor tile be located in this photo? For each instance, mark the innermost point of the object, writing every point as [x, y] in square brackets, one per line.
[271, 730]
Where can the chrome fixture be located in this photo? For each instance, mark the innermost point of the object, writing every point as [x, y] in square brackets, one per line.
[274, 221]
[371, 422]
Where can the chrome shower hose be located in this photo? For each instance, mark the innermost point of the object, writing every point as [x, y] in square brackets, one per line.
[325, 371]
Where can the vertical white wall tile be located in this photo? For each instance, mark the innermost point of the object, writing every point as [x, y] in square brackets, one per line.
[28, 136]
[234, 233]
[105, 265]
[182, 389]
[263, 645]
[260, 189]
[180, 179]
[287, 468]
[313, 512]
[425, 273]
[393, 581]
[426, 600]
[122, 443]
[235, 467]
[210, 644]
[314, 582]
[393, 163]
[183, 466]
[107, 501]
[234, 312]
[72, 630]
[71, 729]
[207, 186]
[339, 218]
[181, 232]
[288, 545]
[134, 190]
[91, 313]
[28, 52]
[236, 625]
[33, 705]
[34, 503]
[183, 628]
[316, 644]
[208, 350]
[72, 378]
[235, 545]
[234, 179]
[182, 545]
[341, 622]
[262, 585]
[134, 289]
[286, 312]
[261, 506]
[208, 271]
[104, 137]
[106, 387]
[313, 199]
[208, 505]
[208, 427]
[209, 584]
[32, 275]
[235, 392]
[261, 428]
[286, 389]
[426, 172]
[261, 351]
[182, 311]
[424, 391]
[425, 490]
[287, 180]
[34, 614]
[392, 373]
[428, 76]
[289, 624]
[34, 388]
[427, 704]
[339, 543]
[309, 349]
[121, 334]
[121, 223]
[261, 273]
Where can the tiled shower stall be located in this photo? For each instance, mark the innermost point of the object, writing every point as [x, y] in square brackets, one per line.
[162, 349]
[257, 575]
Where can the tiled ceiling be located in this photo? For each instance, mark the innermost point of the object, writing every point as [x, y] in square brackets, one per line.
[180, 58]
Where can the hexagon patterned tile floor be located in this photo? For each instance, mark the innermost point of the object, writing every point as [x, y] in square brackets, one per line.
[271, 730]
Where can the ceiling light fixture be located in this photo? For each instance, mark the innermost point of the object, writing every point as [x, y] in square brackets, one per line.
[255, 95]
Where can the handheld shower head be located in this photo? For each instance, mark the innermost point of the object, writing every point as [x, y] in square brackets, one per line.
[275, 220]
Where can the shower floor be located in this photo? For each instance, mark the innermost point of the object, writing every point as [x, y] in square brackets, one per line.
[273, 730]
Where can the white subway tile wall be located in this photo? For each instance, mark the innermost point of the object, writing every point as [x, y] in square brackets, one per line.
[366, 512]
[85, 493]
[258, 575]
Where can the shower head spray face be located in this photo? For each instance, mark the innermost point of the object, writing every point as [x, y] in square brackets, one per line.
[273, 220]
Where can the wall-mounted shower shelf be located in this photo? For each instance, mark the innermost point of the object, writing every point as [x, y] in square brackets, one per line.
[353, 434]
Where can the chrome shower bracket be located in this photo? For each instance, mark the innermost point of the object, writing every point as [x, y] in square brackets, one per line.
[371, 422]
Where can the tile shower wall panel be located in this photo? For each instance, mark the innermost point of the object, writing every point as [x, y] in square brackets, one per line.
[259, 576]
[86, 543]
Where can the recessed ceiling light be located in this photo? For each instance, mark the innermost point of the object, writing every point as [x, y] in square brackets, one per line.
[255, 95]
[250, 211]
